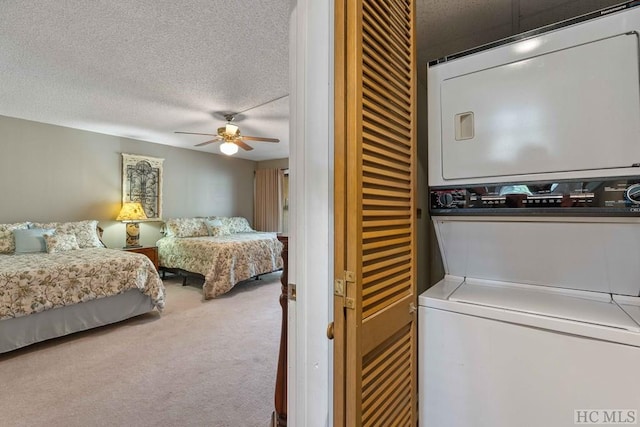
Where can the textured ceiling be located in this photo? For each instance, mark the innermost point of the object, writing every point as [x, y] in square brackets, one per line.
[146, 68]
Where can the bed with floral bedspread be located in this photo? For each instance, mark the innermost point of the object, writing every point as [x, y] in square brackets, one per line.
[223, 257]
[57, 278]
[34, 282]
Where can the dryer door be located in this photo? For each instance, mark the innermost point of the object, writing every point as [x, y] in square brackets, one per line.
[567, 110]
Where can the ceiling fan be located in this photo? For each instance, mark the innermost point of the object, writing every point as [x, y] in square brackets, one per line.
[231, 135]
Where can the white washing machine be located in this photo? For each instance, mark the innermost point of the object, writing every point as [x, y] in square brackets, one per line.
[534, 148]
[508, 353]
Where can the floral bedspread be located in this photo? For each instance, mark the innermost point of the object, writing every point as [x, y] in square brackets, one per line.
[31, 283]
[222, 260]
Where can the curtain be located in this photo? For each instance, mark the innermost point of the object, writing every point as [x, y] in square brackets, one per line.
[267, 200]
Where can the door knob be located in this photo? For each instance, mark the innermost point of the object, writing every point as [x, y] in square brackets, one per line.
[330, 331]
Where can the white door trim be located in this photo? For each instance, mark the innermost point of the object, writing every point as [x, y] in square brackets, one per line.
[311, 212]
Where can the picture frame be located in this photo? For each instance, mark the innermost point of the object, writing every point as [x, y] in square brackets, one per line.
[142, 182]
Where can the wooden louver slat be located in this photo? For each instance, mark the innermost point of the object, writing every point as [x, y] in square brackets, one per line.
[377, 145]
[385, 123]
[390, 20]
[395, 15]
[376, 24]
[378, 61]
[375, 365]
[397, 120]
[390, 86]
[373, 79]
[386, 183]
[382, 397]
[391, 139]
[374, 159]
[402, 240]
[376, 88]
[386, 282]
[371, 94]
[386, 378]
[402, 221]
[386, 171]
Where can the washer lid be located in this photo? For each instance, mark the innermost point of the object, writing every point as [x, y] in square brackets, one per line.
[630, 305]
[582, 255]
[582, 306]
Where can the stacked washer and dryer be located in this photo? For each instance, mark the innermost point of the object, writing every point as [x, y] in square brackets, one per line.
[534, 175]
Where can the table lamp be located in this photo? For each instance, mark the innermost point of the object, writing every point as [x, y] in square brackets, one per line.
[131, 213]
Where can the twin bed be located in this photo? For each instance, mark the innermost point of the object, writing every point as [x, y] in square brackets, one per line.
[81, 284]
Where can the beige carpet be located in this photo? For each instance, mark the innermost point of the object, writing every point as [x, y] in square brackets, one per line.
[201, 363]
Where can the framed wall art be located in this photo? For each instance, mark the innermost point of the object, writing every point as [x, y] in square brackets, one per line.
[142, 182]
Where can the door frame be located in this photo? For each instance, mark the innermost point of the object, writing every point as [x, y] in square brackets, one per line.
[311, 212]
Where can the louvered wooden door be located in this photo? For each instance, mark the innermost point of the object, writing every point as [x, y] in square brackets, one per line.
[375, 381]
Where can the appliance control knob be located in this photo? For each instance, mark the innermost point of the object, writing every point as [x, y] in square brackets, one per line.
[446, 199]
[633, 193]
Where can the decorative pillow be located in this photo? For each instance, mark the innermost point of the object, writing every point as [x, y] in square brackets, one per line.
[186, 227]
[31, 240]
[238, 224]
[216, 228]
[86, 232]
[7, 241]
[60, 242]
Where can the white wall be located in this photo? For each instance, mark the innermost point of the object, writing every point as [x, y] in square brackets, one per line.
[54, 173]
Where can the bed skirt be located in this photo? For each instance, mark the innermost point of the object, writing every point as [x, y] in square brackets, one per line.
[26, 330]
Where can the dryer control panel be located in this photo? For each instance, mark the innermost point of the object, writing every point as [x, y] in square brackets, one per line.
[603, 197]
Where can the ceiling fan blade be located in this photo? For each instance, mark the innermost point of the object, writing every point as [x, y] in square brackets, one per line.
[259, 138]
[207, 142]
[240, 143]
[194, 133]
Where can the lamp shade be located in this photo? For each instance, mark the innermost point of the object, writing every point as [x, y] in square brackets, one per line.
[229, 148]
[131, 211]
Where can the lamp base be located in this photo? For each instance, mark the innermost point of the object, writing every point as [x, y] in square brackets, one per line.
[133, 235]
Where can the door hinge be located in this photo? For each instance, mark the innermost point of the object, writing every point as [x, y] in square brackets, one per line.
[341, 284]
[350, 303]
[349, 276]
[291, 291]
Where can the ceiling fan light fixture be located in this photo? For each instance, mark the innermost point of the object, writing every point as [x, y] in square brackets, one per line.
[231, 129]
[228, 148]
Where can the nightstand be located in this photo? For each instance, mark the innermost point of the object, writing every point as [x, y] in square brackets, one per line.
[150, 251]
